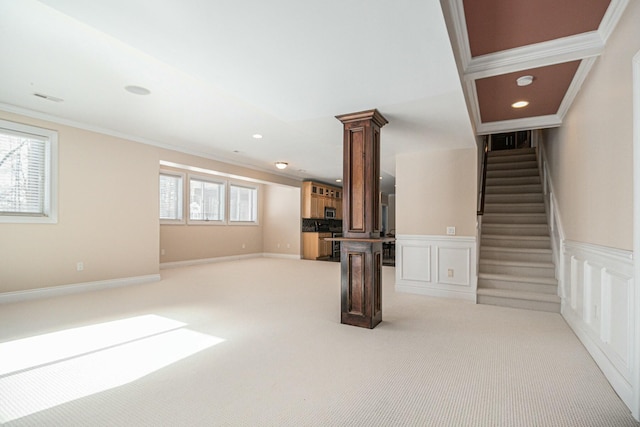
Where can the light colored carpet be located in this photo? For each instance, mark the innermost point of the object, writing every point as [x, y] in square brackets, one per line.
[287, 361]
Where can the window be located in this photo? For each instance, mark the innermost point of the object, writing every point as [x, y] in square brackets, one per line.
[171, 200]
[28, 173]
[206, 202]
[243, 204]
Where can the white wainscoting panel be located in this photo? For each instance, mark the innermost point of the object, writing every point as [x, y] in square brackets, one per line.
[441, 266]
[598, 291]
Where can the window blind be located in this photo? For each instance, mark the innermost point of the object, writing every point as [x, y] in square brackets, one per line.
[22, 174]
[170, 197]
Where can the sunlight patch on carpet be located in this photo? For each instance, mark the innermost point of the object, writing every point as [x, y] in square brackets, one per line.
[44, 371]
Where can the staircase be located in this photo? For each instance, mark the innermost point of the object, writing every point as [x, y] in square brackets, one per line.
[516, 263]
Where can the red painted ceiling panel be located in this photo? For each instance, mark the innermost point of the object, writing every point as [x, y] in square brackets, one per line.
[496, 94]
[496, 25]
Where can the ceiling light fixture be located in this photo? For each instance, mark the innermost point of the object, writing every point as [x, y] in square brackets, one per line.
[520, 104]
[137, 90]
[48, 97]
[524, 80]
[338, 180]
[256, 136]
[282, 165]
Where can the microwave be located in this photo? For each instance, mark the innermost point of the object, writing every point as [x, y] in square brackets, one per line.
[329, 213]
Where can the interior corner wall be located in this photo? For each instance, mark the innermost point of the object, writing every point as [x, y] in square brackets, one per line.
[392, 214]
[590, 158]
[435, 190]
[282, 220]
[107, 215]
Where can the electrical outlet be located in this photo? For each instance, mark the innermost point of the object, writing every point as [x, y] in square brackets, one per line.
[451, 231]
[80, 266]
[288, 245]
[450, 272]
[278, 245]
[162, 252]
[244, 246]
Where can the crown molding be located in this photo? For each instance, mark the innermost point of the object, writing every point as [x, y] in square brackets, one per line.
[549, 121]
[552, 52]
[576, 84]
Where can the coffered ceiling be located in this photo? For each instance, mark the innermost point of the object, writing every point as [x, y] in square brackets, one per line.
[556, 42]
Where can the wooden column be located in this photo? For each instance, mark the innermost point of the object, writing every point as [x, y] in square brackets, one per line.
[361, 245]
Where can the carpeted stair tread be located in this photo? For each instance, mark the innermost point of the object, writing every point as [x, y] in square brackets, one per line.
[532, 264]
[512, 152]
[522, 250]
[513, 278]
[519, 295]
[514, 236]
[516, 267]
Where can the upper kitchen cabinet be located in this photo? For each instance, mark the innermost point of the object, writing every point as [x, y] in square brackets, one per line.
[320, 201]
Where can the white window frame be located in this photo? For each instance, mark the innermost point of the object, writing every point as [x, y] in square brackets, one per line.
[49, 214]
[257, 203]
[184, 212]
[208, 179]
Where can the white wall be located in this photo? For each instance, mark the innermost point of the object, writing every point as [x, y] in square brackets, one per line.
[282, 221]
[436, 190]
[108, 218]
[590, 156]
[588, 178]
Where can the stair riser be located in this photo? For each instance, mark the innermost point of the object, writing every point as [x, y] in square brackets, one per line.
[517, 286]
[514, 198]
[512, 165]
[516, 303]
[490, 208]
[503, 230]
[517, 243]
[518, 271]
[518, 180]
[511, 159]
[515, 256]
[512, 173]
[513, 189]
[492, 218]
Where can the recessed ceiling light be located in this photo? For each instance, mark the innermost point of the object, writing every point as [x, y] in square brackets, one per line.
[524, 80]
[338, 180]
[257, 136]
[282, 165]
[137, 90]
[380, 177]
[520, 104]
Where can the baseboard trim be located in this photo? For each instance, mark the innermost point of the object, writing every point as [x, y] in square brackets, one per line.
[56, 291]
[282, 256]
[622, 387]
[189, 262]
[438, 293]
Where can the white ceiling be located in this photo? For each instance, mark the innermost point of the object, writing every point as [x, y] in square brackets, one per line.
[220, 71]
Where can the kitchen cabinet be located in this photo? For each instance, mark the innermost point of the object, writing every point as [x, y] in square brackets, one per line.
[315, 246]
[317, 196]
